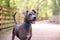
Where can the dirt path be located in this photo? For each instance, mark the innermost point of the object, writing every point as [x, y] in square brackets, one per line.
[41, 31]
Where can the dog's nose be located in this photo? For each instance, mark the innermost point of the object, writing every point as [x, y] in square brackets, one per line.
[34, 18]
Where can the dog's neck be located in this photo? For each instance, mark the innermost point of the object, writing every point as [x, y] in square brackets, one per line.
[27, 24]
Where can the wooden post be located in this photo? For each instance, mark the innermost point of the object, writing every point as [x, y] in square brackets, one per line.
[0, 17]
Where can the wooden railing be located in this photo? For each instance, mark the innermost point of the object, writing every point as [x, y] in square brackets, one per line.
[6, 18]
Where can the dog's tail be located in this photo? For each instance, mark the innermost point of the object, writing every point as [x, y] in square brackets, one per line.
[14, 18]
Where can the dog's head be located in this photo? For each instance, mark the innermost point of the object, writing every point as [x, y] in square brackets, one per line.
[30, 16]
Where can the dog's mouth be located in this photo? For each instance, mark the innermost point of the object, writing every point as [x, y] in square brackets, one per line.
[33, 21]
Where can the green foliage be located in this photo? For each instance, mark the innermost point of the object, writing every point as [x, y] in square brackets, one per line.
[44, 8]
[56, 5]
[13, 5]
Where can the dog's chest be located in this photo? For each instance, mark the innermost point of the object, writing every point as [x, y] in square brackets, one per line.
[23, 31]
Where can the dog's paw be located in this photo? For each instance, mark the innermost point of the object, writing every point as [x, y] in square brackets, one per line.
[28, 35]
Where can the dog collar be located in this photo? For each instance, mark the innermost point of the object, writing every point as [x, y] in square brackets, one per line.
[27, 24]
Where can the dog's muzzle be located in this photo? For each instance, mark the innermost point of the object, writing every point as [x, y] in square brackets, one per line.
[34, 19]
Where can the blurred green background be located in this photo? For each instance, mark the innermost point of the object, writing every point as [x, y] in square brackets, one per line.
[45, 9]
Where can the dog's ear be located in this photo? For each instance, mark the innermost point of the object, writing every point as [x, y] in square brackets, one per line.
[34, 11]
[25, 13]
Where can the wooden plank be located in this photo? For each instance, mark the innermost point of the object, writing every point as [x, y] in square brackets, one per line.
[1, 17]
[7, 21]
[4, 9]
[0, 11]
[0, 27]
[0, 24]
[7, 17]
[4, 26]
[0, 8]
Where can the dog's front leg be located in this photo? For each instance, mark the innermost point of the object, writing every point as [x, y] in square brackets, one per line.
[13, 34]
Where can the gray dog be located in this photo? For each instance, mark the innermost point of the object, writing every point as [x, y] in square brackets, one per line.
[24, 31]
